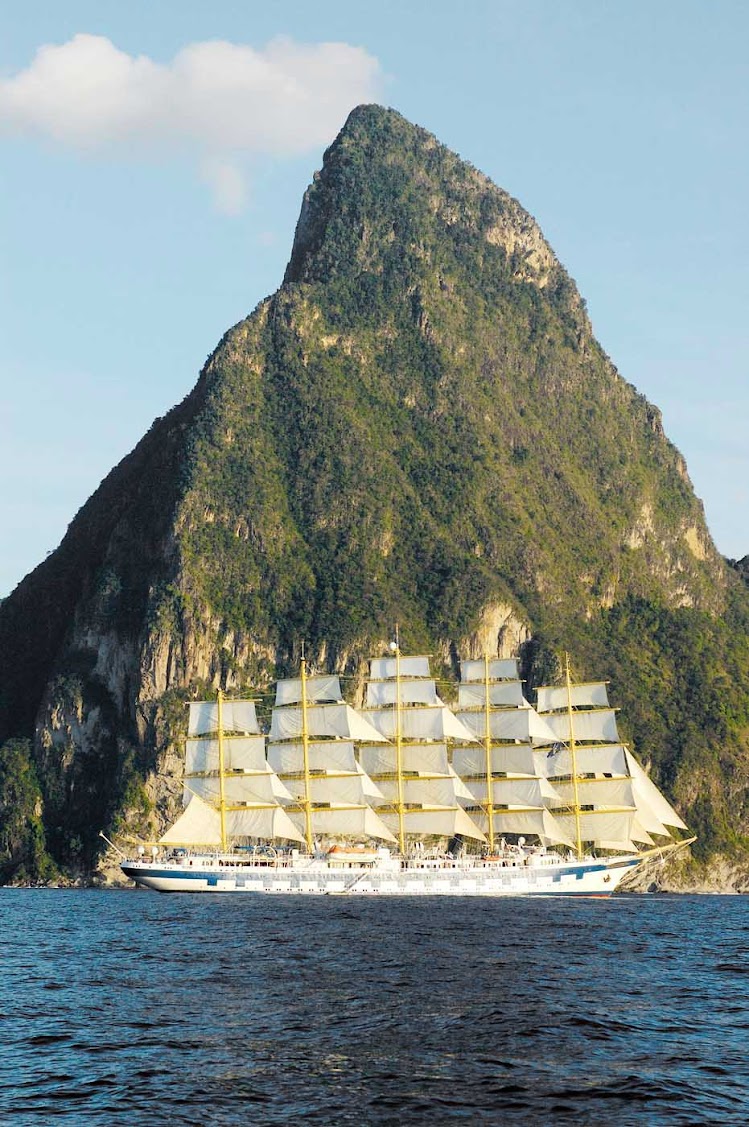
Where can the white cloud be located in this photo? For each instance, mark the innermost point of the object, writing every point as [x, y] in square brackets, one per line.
[229, 187]
[220, 99]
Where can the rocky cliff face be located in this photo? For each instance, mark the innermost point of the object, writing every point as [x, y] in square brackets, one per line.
[418, 427]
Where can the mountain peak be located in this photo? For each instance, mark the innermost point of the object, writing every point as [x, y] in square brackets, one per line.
[388, 191]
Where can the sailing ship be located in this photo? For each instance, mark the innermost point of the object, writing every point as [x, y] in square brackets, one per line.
[408, 797]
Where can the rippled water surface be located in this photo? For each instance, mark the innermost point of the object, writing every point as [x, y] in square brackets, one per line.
[136, 1008]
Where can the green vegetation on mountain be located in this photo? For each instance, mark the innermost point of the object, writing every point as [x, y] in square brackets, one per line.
[419, 427]
[23, 854]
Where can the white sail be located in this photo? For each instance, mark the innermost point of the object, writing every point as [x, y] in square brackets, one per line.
[381, 693]
[348, 821]
[508, 759]
[586, 726]
[325, 687]
[540, 822]
[501, 694]
[420, 724]
[596, 759]
[607, 829]
[551, 698]
[334, 720]
[641, 835]
[523, 724]
[265, 822]
[337, 790]
[598, 792]
[609, 803]
[447, 821]
[500, 669]
[517, 792]
[441, 791]
[428, 759]
[241, 753]
[384, 668]
[236, 716]
[253, 787]
[616, 845]
[650, 802]
[200, 824]
[323, 755]
[462, 793]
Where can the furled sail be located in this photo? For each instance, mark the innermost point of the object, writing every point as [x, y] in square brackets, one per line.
[421, 793]
[312, 747]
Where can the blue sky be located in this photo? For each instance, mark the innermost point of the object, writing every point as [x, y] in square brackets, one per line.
[150, 183]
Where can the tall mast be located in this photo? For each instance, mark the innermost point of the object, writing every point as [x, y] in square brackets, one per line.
[573, 755]
[305, 753]
[488, 749]
[399, 746]
[221, 786]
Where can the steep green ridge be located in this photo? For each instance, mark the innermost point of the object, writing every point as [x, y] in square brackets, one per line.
[418, 427]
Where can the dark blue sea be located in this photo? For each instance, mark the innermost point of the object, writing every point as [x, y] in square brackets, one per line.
[137, 1008]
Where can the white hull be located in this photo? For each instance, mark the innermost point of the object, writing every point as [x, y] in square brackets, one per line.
[386, 877]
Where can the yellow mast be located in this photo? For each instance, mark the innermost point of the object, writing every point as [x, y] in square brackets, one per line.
[305, 753]
[399, 746]
[488, 748]
[221, 789]
[573, 755]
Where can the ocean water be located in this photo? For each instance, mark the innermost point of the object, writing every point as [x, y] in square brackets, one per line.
[137, 1008]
